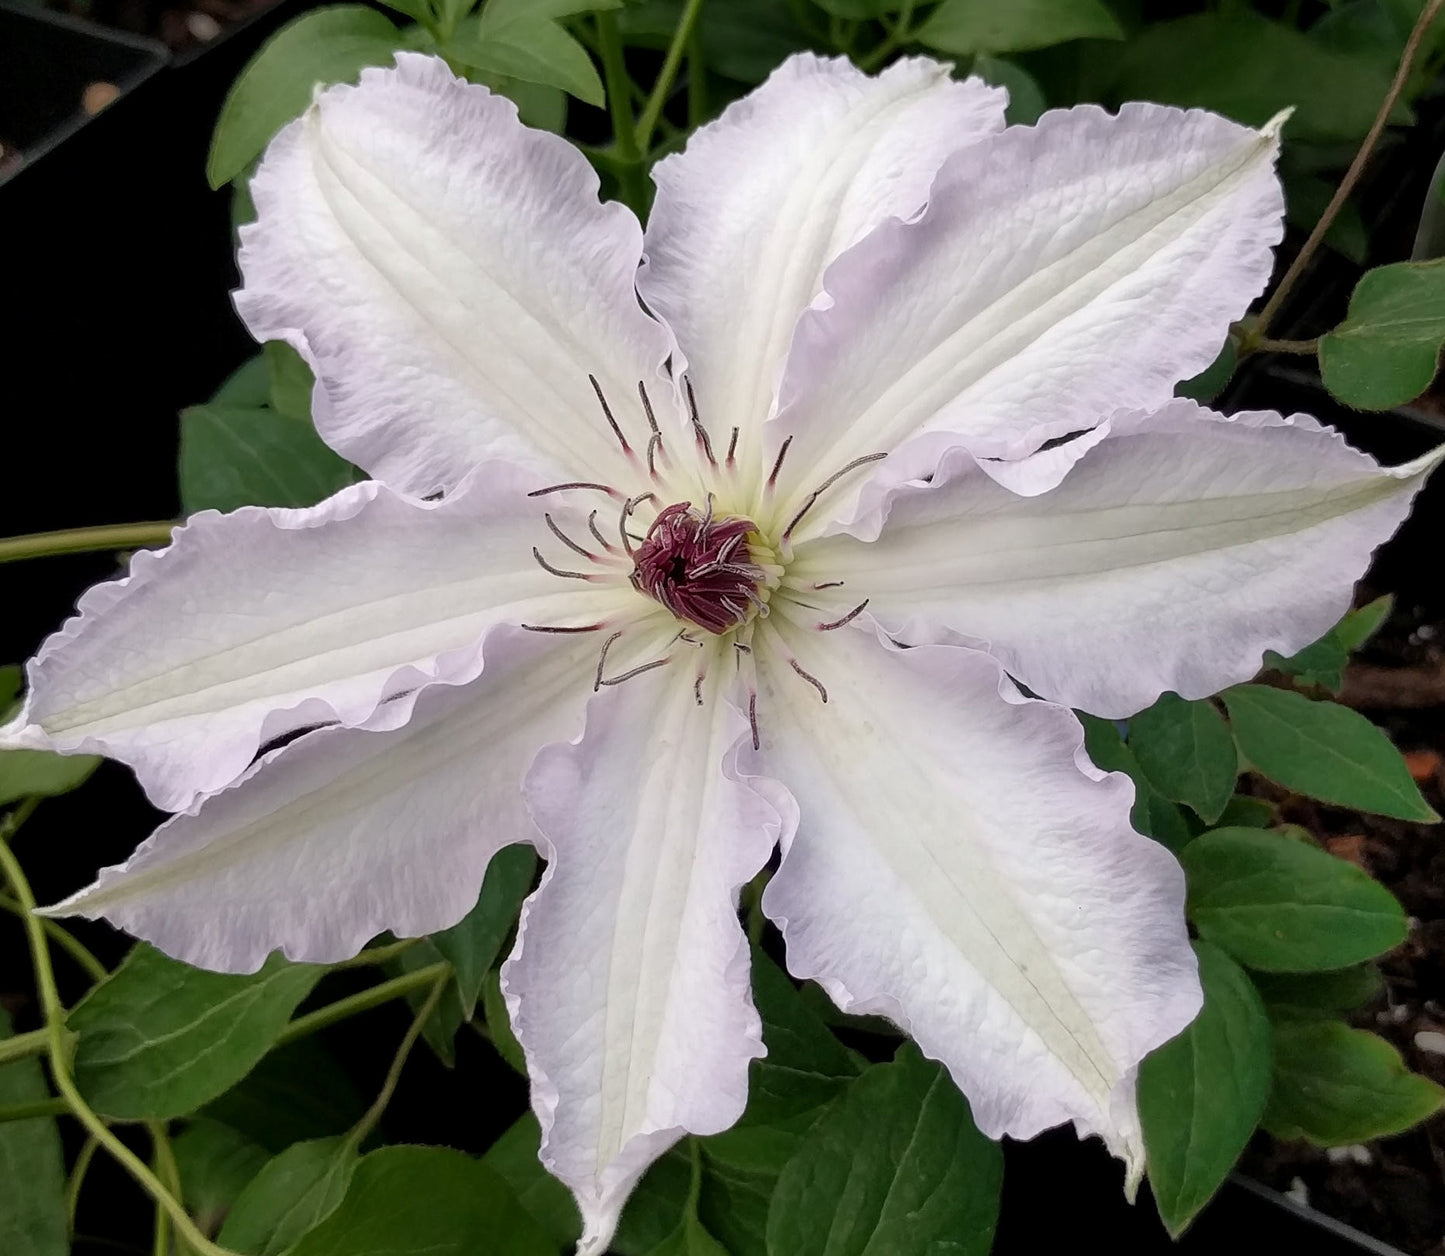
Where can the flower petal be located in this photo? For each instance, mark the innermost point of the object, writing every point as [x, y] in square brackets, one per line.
[751, 212]
[956, 869]
[255, 624]
[629, 985]
[452, 279]
[1060, 272]
[1176, 553]
[347, 832]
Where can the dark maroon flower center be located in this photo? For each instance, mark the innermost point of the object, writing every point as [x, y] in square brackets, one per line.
[699, 567]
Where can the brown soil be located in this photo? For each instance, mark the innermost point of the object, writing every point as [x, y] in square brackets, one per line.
[1394, 1188]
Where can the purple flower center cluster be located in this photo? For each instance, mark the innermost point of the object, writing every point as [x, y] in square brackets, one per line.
[699, 567]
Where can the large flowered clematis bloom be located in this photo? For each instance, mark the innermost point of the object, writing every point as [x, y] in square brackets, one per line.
[759, 559]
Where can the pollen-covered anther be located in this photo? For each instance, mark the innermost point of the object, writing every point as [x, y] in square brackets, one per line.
[712, 570]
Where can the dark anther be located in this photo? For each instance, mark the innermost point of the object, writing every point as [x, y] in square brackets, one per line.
[753, 719]
[557, 571]
[552, 628]
[697, 427]
[567, 540]
[810, 678]
[732, 448]
[778, 463]
[607, 410]
[601, 540]
[846, 619]
[823, 488]
[647, 408]
[558, 488]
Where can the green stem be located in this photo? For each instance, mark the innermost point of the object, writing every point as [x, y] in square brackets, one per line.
[60, 1067]
[630, 181]
[376, 955]
[111, 536]
[900, 33]
[10, 825]
[1266, 345]
[36, 1042]
[36, 1107]
[169, 1172]
[696, 80]
[372, 1115]
[76, 1180]
[71, 945]
[367, 999]
[1267, 315]
[670, 62]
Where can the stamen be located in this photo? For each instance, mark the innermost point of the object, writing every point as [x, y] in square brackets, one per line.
[732, 448]
[830, 584]
[697, 427]
[602, 660]
[654, 443]
[847, 619]
[647, 408]
[567, 540]
[811, 679]
[554, 628]
[557, 571]
[631, 504]
[823, 488]
[697, 689]
[607, 410]
[753, 716]
[636, 671]
[602, 540]
[558, 488]
[778, 464]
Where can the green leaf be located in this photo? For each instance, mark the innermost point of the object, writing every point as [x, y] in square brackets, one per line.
[1202, 1093]
[1334, 1085]
[289, 381]
[533, 48]
[514, 1157]
[1323, 662]
[426, 1201]
[1316, 994]
[42, 773]
[1281, 905]
[234, 456]
[248, 385]
[494, 1009]
[215, 1163]
[1210, 382]
[1306, 198]
[1025, 97]
[32, 1170]
[12, 680]
[1245, 812]
[970, 26]
[296, 1093]
[1186, 751]
[159, 1038]
[330, 45]
[440, 1029]
[1249, 68]
[745, 40]
[1387, 350]
[473, 944]
[291, 1194]
[1152, 815]
[896, 1166]
[1323, 750]
[689, 1239]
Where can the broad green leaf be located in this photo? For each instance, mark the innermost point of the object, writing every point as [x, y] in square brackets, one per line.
[1387, 350]
[1210, 382]
[12, 681]
[1245, 812]
[861, 10]
[32, 1170]
[248, 385]
[329, 45]
[1025, 97]
[1362, 623]
[895, 1166]
[502, 13]
[1317, 994]
[1334, 1085]
[1152, 814]
[234, 456]
[1282, 905]
[289, 381]
[657, 1208]
[42, 773]
[295, 1094]
[292, 1193]
[746, 40]
[426, 1201]
[499, 1026]
[215, 1163]
[535, 50]
[1186, 751]
[514, 1157]
[1306, 198]
[969, 26]
[159, 1038]
[1202, 1093]
[1250, 68]
[689, 1239]
[1324, 750]
[417, 10]
[473, 943]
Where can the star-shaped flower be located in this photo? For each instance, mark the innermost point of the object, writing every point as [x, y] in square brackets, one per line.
[750, 547]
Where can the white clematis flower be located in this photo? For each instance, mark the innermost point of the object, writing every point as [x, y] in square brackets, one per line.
[674, 606]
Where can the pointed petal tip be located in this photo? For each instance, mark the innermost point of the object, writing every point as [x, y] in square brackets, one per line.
[1271, 129]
